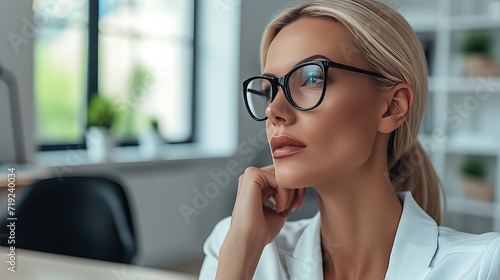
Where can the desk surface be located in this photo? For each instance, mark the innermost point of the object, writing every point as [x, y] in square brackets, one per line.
[31, 265]
[24, 175]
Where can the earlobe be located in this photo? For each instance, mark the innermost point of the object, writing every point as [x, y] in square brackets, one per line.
[399, 102]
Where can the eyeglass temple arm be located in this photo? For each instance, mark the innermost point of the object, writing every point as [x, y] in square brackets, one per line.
[258, 92]
[354, 69]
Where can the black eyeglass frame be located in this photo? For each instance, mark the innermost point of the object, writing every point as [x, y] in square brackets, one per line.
[283, 83]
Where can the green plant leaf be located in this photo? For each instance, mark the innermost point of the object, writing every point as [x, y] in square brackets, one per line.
[476, 43]
[101, 112]
[473, 166]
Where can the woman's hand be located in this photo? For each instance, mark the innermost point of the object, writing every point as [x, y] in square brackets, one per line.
[254, 224]
[252, 218]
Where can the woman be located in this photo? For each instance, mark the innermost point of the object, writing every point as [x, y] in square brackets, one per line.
[342, 118]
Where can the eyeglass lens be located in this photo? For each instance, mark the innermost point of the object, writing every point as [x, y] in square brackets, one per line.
[305, 85]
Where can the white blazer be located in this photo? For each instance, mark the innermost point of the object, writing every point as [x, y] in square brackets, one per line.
[421, 250]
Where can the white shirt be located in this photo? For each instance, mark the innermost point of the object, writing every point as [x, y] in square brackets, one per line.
[421, 250]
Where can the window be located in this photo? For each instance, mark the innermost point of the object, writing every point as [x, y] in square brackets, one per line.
[60, 59]
[138, 53]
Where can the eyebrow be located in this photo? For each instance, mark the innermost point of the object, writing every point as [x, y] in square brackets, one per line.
[310, 58]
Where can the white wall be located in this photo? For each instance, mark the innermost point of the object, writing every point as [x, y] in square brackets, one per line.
[17, 57]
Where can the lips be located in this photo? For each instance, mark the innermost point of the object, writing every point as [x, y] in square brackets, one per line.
[283, 146]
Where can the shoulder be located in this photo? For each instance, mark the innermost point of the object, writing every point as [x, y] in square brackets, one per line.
[451, 242]
[477, 254]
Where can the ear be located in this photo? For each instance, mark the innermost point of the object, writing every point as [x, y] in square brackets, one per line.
[399, 100]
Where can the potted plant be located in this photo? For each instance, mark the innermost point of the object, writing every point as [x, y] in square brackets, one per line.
[475, 186]
[101, 116]
[151, 140]
[478, 61]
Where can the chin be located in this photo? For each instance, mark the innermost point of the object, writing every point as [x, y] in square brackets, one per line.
[290, 177]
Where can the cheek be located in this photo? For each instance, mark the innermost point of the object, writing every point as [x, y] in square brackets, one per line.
[351, 127]
[340, 137]
[269, 131]
[343, 141]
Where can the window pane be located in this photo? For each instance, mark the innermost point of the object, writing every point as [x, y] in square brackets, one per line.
[60, 55]
[145, 65]
[156, 18]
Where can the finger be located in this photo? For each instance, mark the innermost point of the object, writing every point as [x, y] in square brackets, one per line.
[269, 186]
[282, 199]
[272, 198]
[267, 177]
[269, 168]
[299, 198]
[291, 198]
[268, 199]
[255, 187]
[265, 182]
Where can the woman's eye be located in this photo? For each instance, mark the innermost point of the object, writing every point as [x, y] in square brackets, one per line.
[312, 79]
[266, 92]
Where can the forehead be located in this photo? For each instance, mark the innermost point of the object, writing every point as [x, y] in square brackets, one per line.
[308, 37]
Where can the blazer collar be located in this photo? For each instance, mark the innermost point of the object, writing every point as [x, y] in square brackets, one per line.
[415, 244]
[412, 252]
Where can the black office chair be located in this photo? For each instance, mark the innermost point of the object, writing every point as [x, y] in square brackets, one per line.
[78, 216]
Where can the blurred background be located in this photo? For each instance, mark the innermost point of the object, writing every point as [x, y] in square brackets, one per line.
[149, 92]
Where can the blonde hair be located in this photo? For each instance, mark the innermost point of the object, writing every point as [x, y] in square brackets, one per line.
[388, 44]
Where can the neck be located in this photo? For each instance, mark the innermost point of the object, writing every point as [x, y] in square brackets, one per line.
[359, 220]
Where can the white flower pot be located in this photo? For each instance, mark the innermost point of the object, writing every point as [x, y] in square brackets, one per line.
[151, 143]
[477, 189]
[479, 65]
[100, 143]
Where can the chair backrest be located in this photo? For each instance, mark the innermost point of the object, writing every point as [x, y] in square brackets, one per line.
[86, 217]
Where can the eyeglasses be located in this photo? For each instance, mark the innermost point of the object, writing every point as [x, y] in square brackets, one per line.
[304, 87]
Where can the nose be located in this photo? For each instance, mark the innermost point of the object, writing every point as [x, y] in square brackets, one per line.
[280, 111]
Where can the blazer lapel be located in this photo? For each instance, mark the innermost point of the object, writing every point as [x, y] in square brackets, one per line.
[415, 243]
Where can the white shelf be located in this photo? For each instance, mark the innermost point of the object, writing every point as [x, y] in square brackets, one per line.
[469, 85]
[477, 145]
[470, 207]
[458, 23]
